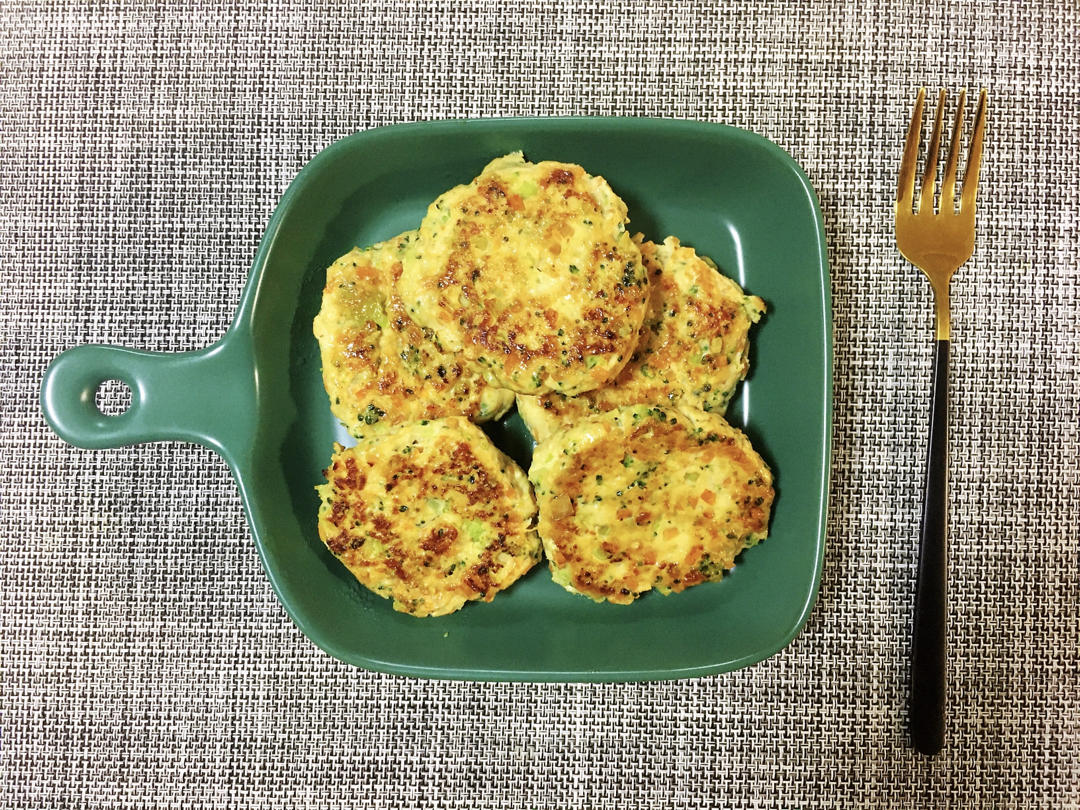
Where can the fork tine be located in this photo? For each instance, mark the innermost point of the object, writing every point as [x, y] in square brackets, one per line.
[948, 184]
[905, 191]
[932, 156]
[974, 161]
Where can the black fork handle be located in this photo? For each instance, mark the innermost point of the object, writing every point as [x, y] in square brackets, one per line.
[927, 709]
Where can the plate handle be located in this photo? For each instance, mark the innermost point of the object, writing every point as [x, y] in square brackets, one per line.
[205, 396]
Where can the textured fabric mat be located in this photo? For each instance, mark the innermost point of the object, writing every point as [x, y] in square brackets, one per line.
[146, 662]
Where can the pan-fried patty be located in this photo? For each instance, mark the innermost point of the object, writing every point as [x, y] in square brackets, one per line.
[529, 272]
[430, 514]
[379, 366]
[693, 350]
[646, 497]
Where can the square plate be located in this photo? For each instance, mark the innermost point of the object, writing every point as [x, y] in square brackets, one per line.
[728, 193]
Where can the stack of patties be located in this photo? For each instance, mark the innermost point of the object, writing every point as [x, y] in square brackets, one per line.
[642, 483]
[622, 355]
[523, 281]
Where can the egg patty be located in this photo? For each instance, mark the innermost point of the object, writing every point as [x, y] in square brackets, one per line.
[693, 350]
[430, 514]
[644, 497]
[529, 273]
[379, 366]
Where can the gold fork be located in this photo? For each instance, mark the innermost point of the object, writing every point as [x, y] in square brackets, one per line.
[938, 243]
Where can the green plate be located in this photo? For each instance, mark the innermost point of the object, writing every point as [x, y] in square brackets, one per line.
[256, 397]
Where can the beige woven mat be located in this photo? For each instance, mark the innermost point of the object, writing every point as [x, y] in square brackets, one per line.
[145, 660]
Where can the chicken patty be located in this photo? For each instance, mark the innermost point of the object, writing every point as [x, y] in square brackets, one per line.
[430, 514]
[528, 271]
[693, 350]
[645, 497]
[379, 367]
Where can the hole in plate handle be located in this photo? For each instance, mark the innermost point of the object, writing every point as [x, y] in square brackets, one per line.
[113, 397]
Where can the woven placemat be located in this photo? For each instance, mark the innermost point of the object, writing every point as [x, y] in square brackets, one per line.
[145, 660]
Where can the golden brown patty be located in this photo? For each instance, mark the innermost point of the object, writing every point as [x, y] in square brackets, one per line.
[429, 514]
[643, 497]
[379, 368]
[693, 349]
[529, 272]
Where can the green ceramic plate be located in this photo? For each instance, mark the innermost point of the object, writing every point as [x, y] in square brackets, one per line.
[256, 397]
